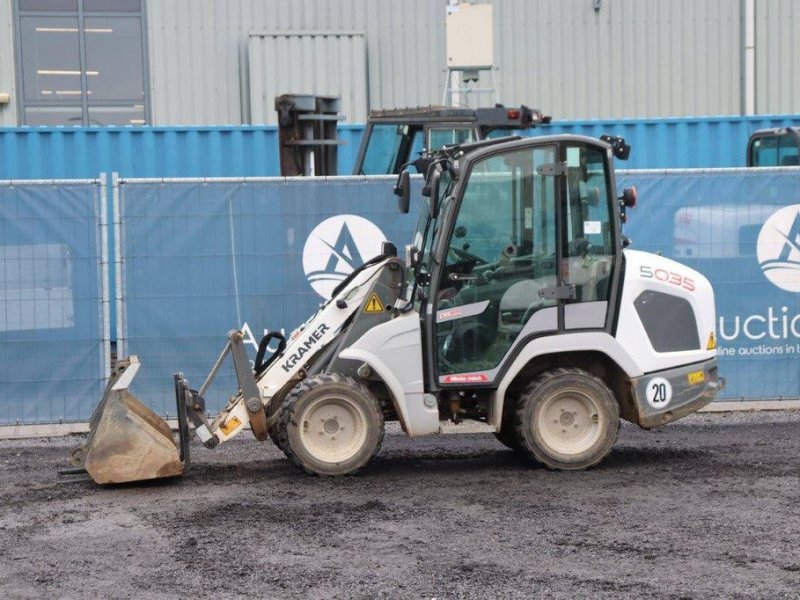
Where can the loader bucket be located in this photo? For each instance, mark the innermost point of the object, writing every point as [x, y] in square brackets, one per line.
[127, 441]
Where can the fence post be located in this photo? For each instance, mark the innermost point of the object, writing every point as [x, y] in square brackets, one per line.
[118, 266]
[105, 298]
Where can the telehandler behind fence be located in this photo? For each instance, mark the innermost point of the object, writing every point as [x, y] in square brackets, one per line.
[517, 306]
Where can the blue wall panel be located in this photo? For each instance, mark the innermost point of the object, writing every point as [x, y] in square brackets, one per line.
[680, 143]
[246, 151]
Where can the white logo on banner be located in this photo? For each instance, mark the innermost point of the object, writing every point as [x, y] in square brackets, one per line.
[778, 248]
[337, 246]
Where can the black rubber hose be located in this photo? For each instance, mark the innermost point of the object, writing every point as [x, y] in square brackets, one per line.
[261, 365]
[346, 281]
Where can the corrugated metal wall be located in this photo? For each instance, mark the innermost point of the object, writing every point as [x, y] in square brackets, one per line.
[335, 65]
[631, 58]
[199, 62]
[83, 152]
[8, 112]
[777, 56]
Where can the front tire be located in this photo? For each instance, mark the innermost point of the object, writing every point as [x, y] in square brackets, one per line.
[567, 419]
[331, 425]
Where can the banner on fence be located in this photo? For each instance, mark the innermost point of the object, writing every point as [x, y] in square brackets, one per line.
[203, 257]
[53, 351]
[741, 228]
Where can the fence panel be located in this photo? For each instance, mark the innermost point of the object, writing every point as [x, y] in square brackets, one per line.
[202, 257]
[54, 342]
[741, 228]
[199, 258]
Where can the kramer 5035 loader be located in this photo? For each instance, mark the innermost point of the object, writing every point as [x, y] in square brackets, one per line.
[516, 306]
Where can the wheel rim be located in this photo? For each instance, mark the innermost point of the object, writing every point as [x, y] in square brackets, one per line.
[333, 429]
[570, 422]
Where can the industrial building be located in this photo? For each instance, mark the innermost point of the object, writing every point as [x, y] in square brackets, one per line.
[222, 62]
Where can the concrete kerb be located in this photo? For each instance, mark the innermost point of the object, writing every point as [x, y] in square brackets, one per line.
[11, 432]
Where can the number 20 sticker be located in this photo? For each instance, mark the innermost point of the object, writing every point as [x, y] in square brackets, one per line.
[659, 392]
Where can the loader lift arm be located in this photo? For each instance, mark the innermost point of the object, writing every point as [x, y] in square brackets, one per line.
[129, 442]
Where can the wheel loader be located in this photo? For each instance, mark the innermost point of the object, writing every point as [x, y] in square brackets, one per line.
[517, 309]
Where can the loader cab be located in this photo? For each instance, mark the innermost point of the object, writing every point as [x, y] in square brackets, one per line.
[778, 147]
[394, 138]
[521, 239]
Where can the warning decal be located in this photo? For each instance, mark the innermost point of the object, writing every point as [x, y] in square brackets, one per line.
[230, 425]
[374, 304]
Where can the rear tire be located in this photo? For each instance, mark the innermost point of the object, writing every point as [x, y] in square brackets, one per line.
[331, 425]
[567, 419]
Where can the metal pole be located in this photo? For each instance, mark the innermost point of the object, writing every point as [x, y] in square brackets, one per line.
[118, 266]
[749, 58]
[105, 300]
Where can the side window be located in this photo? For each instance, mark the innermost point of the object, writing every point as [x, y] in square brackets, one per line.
[788, 152]
[589, 242]
[445, 136]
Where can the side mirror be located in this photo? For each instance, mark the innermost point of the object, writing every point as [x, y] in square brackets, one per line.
[403, 191]
[627, 200]
[412, 256]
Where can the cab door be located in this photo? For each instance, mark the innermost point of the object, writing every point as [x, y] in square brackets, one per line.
[531, 251]
[500, 254]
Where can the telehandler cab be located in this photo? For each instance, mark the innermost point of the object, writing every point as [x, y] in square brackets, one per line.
[516, 308]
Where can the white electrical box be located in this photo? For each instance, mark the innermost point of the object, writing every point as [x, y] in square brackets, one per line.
[5, 98]
[470, 35]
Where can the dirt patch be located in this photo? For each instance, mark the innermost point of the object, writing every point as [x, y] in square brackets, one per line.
[708, 506]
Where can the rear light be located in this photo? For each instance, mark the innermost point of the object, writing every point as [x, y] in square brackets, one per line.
[513, 114]
[629, 197]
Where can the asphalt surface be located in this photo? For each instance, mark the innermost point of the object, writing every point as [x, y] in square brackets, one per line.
[706, 507]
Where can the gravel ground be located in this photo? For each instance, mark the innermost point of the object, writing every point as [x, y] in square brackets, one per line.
[706, 507]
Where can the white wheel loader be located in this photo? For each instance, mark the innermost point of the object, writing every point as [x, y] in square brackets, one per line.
[517, 309]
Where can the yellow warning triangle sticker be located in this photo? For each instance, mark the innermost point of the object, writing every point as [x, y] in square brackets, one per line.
[374, 304]
[712, 342]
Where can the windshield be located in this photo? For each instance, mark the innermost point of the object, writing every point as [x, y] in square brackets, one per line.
[388, 147]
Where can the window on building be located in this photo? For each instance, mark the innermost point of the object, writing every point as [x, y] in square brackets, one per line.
[82, 62]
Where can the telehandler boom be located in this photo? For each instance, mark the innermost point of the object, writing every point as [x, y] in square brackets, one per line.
[517, 307]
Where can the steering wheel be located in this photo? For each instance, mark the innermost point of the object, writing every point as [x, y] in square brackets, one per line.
[466, 257]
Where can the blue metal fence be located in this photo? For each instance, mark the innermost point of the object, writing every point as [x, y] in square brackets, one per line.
[54, 347]
[740, 228]
[250, 151]
[204, 257]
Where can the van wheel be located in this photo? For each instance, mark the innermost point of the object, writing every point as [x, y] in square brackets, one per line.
[331, 425]
[567, 419]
